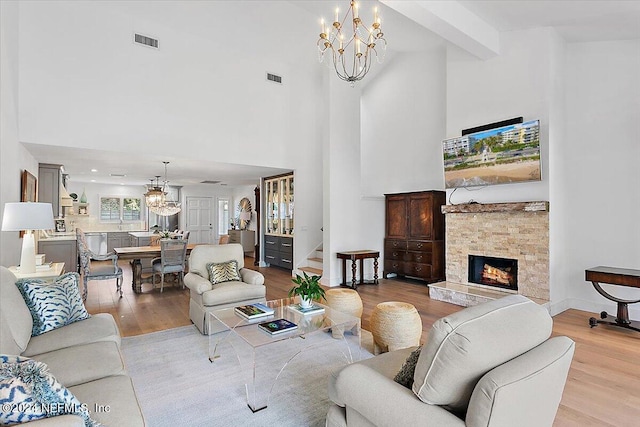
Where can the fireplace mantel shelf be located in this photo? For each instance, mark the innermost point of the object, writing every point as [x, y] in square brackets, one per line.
[496, 207]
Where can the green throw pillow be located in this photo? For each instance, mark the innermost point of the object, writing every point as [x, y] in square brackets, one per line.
[29, 392]
[53, 305]
[405, 376]
[223, 272]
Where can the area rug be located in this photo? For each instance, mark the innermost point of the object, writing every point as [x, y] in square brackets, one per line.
[177, 385]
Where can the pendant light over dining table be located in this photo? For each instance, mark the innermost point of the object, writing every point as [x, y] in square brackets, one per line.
[156, 198]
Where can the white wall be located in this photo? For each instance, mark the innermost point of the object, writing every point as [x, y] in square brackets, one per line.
[13, 156]
[202, 94]
[403, 125]
[586, 96]
[515, 83]
[601, 176]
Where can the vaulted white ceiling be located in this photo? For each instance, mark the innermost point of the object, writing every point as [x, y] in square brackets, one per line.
[270, 27]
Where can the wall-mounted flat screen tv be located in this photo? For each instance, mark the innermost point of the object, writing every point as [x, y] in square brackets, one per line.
[503, 155]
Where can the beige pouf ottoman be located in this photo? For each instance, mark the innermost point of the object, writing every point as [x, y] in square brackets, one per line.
[395, 325]
[345, 301]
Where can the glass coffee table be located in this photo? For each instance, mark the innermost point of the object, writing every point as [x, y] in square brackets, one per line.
[263, 357]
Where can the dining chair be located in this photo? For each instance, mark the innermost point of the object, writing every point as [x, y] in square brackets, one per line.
[80, 237]
[173, 254]
[100, 271]
[224, 239]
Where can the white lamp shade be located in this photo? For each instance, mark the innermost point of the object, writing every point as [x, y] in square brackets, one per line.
[20, 216]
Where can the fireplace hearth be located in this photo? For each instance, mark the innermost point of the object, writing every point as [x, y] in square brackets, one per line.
[492, 271]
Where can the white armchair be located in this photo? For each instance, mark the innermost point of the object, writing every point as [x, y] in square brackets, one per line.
[492, 365]
[206, 297]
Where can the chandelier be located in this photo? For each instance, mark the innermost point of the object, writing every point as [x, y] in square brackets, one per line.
[352, 53]
[156, 198]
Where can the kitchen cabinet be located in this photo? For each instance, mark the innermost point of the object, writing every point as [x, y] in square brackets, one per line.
[118, 240]
[49, 177]
[414, 235]
[245, 237]
[60, 250]
[142, 238]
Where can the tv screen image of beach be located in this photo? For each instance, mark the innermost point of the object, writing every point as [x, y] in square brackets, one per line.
[502, 155]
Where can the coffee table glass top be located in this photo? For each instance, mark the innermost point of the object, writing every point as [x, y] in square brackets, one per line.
[307, 324]
[263, 356]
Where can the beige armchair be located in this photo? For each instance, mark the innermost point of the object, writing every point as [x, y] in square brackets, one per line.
[492, 365]
[206, 297]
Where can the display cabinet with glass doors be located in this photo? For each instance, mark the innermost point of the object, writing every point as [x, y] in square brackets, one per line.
[279, 205]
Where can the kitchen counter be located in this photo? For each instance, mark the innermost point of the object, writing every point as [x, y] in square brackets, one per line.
[142, 233]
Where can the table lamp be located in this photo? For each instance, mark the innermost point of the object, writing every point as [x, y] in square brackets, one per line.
[244, 217]
[27, 216]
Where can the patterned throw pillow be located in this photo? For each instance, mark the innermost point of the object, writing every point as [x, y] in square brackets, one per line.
[405, 376]
[223, 272]
[29, 392]
[53, 305]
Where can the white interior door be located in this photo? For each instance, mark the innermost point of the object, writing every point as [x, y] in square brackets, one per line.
[200, 219]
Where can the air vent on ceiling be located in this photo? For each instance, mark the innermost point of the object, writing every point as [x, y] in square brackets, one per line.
[119, 175]
[209, 182]
[147, 41]
[274, 78]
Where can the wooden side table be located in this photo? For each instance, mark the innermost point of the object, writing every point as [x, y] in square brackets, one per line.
[48, 275]
[358, 256]
[620, 277]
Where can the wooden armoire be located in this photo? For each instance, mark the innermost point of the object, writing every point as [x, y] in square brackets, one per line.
[414, 235]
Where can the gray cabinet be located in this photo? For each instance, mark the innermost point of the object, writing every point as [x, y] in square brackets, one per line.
[118, 240]
[278, 251]
[49, 177]
[141, 239]
[245, 237]
[60, 251]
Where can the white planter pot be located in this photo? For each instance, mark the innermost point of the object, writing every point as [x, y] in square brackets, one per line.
[305, 303]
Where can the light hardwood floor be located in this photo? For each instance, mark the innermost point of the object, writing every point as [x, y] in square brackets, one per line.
[603, 388]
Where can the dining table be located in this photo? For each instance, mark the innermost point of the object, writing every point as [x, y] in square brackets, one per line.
[135, 255]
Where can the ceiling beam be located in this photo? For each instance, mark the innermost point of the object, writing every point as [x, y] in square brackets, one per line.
[454, 23]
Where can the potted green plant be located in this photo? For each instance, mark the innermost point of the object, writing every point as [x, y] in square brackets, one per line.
[308, 288]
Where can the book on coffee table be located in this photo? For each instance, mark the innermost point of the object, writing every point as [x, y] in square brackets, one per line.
[277, 326]
[254, 311]
[314, 309]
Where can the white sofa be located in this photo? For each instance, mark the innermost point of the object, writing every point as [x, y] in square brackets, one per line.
[492, 365]
[83, 356]
[206, 297]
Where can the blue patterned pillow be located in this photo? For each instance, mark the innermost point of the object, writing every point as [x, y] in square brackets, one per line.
[223, 272]
[29, 392]
[53, 305]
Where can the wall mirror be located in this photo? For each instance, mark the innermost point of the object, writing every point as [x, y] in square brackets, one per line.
[243, 213]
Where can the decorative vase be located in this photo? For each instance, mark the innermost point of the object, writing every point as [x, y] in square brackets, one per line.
[305, 302]
[83, 198]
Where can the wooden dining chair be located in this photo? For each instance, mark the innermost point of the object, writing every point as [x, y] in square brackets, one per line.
[224, 239]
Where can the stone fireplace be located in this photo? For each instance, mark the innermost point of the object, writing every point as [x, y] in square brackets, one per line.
[508, 231]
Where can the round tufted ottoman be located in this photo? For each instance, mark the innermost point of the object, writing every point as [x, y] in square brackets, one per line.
[346, 301]
[395, 325]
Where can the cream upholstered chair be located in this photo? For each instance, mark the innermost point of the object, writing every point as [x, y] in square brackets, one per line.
[492, 365]
[206, 297]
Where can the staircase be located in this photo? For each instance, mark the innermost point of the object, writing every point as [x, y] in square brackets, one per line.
[314, 263]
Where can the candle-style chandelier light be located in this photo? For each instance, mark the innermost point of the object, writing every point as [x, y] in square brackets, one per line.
[352, 48]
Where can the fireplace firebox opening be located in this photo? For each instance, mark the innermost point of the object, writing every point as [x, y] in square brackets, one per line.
[490, 271]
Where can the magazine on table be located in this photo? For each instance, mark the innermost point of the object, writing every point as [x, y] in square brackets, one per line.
[314, 309]
[277, 326]
[254, 311]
